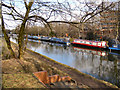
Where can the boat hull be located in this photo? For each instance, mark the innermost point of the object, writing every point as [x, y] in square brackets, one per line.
[89, 47]
[46, 40]
[116, 50]
[33, 38]
[57, 42]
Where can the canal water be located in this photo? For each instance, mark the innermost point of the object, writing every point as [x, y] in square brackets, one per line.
[102, 65]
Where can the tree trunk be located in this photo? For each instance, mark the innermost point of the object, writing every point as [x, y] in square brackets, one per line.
[20, 40]
[7, 39]
[83, 30]
[25, 45]
[22, 28]
[79, 32]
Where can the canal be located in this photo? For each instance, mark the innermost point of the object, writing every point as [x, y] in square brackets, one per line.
[102, 65]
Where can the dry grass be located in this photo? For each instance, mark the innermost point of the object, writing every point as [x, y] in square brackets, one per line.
[12, 66]
[16, 76]
[18, 73]
[20, 81]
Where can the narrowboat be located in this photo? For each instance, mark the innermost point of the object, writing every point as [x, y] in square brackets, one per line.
[90, 44]
[115, 46]
[50, 39]
[60, 41]
[42, 38]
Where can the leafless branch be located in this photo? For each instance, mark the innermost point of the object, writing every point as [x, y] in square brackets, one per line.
[11, 7]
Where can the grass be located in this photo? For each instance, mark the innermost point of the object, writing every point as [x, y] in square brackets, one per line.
[20, 81]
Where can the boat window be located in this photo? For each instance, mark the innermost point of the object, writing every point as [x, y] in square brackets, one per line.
[81, 41]
[84, 42]
[99, 44]
[94, 43]
[103, 43]
[87, 42]
[75, 41]
[90, 43]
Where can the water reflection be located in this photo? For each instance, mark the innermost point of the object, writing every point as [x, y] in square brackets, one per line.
[100, 64]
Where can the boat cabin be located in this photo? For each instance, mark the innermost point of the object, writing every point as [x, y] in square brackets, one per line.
[100, 44]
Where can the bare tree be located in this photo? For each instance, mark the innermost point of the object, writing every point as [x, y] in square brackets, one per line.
[7, 38]
[93, 10]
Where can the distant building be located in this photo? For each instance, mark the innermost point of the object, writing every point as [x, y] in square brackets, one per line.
[110, 21]
[119, 17]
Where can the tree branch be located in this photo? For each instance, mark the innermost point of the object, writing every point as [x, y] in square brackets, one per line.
[63, 22]
[100, 11]
[13, 9]
[26, 4]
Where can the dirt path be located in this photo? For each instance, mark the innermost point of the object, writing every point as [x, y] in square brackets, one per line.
[77, 76]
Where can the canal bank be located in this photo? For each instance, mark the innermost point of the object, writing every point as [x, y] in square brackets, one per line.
[79, 77]
[83, 80]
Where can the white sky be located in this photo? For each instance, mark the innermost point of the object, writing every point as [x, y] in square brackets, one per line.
[20, 7]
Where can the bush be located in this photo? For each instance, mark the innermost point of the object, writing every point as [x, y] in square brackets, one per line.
[91, 36]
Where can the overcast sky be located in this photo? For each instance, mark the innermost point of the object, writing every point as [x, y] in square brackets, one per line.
[19, 5]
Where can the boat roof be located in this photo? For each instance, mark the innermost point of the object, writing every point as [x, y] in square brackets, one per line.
[56, 38]
[88, 40]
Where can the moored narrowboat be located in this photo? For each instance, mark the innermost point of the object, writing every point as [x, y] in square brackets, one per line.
[60, 41]
[115, 46]
[90, 44]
